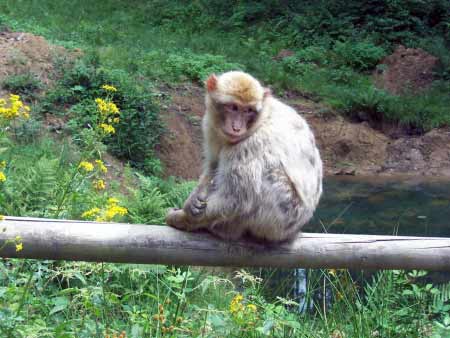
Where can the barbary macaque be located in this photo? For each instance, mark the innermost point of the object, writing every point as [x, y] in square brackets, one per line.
[262, 173]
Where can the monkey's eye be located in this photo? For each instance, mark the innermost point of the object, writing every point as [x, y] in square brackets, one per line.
[234, 107]
[250, 111]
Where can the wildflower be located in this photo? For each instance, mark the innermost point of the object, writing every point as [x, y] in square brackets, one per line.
[236, 304]
[90, 213]
[13, 108]
[101, 166]
[106, 107]
[2, 164]
[116, 120]
[109, 88]
[252, 307]
[113, 211]
[332, 272]
[2, 177]
[107, 128]
[101, 105]
[112, 108]
[19, 244]
[87, 166]
[99, 184]
[112, 201]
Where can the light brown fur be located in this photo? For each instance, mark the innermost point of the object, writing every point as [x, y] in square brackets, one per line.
[266, 182]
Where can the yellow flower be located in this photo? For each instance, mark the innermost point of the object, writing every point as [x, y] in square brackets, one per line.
[109, 88]
[101, 105]
[101, 166]
[112, 201]
[99, 184]
[112, 108]
[251, 307]
[112, 210]
[91, 212]
[236, 304]
[2, 177]
[88, 166]
[106, 107]
[116, 120]
[13, 108]
[107, 128]
[2, 164]
[19, 247]
[14, 98]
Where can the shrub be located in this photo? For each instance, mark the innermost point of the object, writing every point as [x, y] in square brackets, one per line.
[361, 55]
[25, 85]
[186, 65]
[139, 128]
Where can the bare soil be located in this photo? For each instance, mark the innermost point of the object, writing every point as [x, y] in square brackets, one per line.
[347, 148]
[406, 70]
[24, 53]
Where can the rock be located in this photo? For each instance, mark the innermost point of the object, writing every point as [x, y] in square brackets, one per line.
[350, 171]
[407, 69]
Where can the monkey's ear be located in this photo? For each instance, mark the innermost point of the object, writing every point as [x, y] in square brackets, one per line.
[267, 92]
[211, 83]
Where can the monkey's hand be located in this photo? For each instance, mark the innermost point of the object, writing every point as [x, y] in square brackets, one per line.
[196, 204]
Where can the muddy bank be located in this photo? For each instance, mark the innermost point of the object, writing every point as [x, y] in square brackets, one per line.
[347, 148]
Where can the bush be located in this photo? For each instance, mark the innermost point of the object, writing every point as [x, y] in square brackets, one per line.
[361, 55]
[186, 65]
[139, 128]
[25, 85]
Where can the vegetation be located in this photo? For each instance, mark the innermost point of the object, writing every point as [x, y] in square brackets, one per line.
[110, 102]
[336, 44]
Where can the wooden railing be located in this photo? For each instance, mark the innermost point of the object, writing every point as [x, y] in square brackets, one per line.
[152, 244]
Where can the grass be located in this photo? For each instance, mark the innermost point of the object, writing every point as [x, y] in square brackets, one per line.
[146, 39]
[130, 45]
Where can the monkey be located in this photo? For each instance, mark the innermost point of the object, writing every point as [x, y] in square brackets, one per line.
[262, 171]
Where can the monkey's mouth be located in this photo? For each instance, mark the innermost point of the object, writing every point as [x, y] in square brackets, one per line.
[233, 138]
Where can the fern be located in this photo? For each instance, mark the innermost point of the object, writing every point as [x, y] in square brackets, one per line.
[31, 187]
[180, 193]
[442, 296]
[154, 196]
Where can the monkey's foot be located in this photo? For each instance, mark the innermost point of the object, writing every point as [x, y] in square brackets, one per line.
[177, 219]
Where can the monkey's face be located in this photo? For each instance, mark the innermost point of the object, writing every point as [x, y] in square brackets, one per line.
[236, 121]
[235, 100]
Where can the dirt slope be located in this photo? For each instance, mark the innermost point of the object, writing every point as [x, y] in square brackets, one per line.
[347, 148]
[24, 53]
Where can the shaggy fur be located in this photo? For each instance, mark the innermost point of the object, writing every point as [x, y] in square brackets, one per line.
[267, 185]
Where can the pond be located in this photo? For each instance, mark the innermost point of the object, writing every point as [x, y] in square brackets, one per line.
[403, 206]
[384, 206]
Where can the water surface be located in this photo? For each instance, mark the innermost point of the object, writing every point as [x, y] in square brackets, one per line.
[384, 206]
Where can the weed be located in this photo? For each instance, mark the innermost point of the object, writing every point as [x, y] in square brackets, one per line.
[23, 84]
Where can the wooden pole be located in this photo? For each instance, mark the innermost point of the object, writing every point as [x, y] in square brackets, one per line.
[114, 242]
